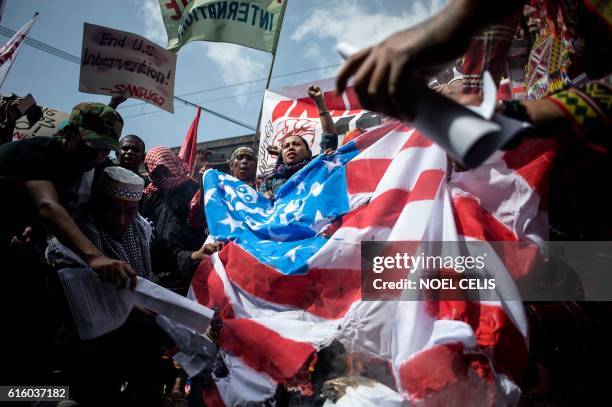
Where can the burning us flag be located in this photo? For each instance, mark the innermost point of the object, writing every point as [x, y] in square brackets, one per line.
[287, 284]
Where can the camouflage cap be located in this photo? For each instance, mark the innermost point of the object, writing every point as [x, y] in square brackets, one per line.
[99, 125]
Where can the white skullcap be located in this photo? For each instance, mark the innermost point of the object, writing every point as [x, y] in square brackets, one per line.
[121, 183]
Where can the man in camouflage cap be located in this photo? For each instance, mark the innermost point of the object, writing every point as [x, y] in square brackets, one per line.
[36, 176]
[43, 169]
[99, 125]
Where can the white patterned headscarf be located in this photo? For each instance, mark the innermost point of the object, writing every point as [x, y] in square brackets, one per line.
[132, 247]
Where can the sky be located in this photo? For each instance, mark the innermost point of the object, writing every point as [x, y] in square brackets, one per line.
[226, 78]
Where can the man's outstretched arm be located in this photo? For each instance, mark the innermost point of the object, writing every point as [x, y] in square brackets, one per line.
[383, 73]
[58, 220]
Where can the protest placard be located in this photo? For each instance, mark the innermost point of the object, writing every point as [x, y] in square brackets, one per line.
[116, 62]
[47, 126]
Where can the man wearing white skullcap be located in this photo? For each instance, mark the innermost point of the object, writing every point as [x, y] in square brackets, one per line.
[113, 223]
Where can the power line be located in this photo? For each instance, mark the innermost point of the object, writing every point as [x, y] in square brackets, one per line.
[232, 85]
[188, 103]
[222, 116]
[261, 80]
[42, 46]
[76, 60]
[231, 96]
[72, 58]
[202, 101]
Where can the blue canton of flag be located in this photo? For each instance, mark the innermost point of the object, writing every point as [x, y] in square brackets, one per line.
[286, 232]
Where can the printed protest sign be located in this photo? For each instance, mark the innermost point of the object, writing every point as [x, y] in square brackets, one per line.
[47, 126]
[255, 24]
[116, 62]
[291, 111]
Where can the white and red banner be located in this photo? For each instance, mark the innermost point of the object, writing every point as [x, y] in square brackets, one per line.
[9, 51]
[290, 110]
[116, 62]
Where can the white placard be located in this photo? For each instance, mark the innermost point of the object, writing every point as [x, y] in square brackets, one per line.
[116, 62]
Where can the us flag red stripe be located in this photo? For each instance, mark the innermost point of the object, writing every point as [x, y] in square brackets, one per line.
[274, 323]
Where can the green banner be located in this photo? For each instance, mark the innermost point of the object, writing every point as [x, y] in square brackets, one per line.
[255, 23]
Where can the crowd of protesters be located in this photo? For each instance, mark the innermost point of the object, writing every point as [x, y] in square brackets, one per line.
[72, 206]
[66, 203]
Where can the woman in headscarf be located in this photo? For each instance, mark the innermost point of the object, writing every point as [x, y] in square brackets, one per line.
[293, 156]
[294, 152]
[176, 246]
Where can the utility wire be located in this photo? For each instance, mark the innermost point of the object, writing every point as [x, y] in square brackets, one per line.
[222, 116]
[76, 60]
[198, 102]
[232, 85]
[42, 46]
[72, 58]
[261, 80]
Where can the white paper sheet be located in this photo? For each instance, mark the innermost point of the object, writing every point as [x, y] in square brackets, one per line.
[99, 307]
[469, 135]
[197, 350]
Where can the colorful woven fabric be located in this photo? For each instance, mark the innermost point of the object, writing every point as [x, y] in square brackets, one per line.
[487, 52]
[554, 50]
[556, 55]
[545, 72]
[164, 157]
[588, 106]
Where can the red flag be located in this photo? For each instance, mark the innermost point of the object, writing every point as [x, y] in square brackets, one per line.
[189, 146]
